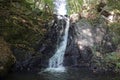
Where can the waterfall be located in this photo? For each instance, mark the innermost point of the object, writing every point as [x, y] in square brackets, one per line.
[56, 61]
[60, 7]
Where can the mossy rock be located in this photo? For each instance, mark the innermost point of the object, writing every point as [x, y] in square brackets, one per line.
[107, 62]
[113, 59]
[6, 57]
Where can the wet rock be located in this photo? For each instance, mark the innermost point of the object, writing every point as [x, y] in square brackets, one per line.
[52, 39]
[80, 41]
[26, 60]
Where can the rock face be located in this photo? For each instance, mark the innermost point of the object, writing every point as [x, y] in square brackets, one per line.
[6, 57]
[85, 41]
[26, 60]
[86, 46]
[80, 42]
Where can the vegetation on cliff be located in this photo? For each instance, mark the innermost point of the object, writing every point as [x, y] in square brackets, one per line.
[23, 27]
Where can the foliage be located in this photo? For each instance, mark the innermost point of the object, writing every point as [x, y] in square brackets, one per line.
[114, 4]
[74, 6]
[44, 5]
[21, 25]
[115, 29]
[113, 60]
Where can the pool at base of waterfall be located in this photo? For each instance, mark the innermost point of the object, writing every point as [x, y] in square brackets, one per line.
[69, 74]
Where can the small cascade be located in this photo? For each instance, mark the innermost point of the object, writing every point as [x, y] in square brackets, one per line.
[60, 7]
[56, 61]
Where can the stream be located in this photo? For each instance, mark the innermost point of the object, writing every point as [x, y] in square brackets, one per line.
[69, 74]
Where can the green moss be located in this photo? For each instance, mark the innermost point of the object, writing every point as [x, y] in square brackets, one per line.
[107, 62]
[113, 59]
[115, 29]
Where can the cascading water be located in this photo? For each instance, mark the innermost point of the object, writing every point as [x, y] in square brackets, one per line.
[60, 7]
[56, 61]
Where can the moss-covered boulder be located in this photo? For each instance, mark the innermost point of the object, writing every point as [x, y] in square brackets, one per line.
[6, 57]
[109, 62]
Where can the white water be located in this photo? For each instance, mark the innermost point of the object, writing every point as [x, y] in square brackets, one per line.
[56, 61]
[60, 7]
